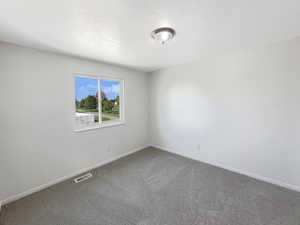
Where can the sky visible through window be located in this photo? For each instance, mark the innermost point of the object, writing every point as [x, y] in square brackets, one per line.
[110, 88]
[85, 87]
[88, 86]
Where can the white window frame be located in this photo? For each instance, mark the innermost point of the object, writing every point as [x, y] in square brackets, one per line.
[101, 124]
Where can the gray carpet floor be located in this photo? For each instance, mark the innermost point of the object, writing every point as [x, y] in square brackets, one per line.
[153, 187]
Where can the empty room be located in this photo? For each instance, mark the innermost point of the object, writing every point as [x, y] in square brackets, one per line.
[150, 112]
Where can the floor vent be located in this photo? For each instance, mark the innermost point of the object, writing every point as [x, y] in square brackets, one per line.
[83, 177]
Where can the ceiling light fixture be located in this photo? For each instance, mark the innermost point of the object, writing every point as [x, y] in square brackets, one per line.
[163, 34]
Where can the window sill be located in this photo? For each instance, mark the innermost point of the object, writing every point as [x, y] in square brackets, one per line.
[104, 125]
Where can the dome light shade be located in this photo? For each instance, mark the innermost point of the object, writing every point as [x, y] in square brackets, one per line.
[163, 34]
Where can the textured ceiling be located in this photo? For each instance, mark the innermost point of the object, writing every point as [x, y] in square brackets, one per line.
[118, 31]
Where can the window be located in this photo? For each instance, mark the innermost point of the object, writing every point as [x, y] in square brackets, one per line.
[98, 102]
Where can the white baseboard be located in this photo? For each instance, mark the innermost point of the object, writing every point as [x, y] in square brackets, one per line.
[249, 174]
[61, 179]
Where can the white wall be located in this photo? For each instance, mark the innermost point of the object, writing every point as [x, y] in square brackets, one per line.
[239, 111]
[37, 142]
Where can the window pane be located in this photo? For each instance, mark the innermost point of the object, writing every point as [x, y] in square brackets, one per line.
[110, 95]
[86, 100]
